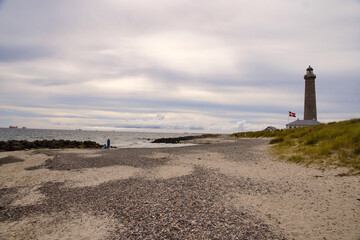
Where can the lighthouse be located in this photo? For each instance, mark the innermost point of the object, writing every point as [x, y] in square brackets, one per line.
[310, 114]
[310, 95]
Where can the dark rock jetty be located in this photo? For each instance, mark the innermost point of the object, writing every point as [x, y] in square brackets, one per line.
[185, 138]
[15, 145]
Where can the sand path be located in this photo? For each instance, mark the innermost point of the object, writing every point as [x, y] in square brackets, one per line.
[302, 202]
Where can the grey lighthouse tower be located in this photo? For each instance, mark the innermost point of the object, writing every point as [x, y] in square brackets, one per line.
[310, 114]
[310, 96]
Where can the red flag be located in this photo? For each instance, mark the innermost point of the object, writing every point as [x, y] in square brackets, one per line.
[291, 114]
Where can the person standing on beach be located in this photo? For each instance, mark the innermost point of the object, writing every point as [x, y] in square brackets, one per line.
[108, 143]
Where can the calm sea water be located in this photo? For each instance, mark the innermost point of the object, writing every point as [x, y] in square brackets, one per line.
[118, 139]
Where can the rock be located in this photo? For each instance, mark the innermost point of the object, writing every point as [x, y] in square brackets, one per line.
[173, 140]
[185, 138]
[15, 145]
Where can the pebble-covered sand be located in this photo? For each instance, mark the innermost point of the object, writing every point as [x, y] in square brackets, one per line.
[224, 189]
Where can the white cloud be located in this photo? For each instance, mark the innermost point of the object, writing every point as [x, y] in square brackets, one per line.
[130, 85]
[188, 52]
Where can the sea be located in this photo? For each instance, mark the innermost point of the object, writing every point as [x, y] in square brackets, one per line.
[118, 139]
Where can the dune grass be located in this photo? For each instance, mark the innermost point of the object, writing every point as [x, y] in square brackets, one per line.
[335, 144]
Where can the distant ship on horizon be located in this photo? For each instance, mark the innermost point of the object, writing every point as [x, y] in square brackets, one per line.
[16, 127]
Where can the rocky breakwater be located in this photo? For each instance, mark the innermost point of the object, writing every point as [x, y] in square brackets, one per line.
[14, 145]
[182, 139]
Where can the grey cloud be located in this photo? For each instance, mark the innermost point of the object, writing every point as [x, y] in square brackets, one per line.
[139, 126]
[12, 53]
[196, 128]
[47, 46]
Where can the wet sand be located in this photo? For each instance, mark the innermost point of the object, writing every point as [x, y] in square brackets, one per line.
[224, 189]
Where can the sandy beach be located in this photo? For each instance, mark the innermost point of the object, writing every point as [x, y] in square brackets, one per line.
[222, 189]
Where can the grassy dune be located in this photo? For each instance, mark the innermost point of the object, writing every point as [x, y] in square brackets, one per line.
[335, 144]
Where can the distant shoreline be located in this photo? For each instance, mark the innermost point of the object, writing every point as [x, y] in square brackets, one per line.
[118, 139]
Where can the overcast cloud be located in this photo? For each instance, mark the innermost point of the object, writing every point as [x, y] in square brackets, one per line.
[175, 66]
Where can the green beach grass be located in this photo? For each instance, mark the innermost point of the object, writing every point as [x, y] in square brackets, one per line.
[335, 144]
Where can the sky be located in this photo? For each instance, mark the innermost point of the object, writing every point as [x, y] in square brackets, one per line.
[176, 66]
